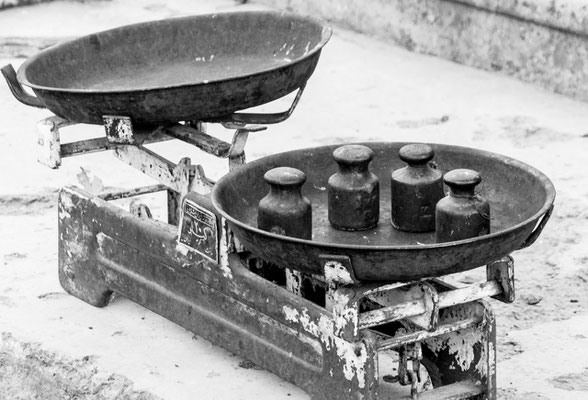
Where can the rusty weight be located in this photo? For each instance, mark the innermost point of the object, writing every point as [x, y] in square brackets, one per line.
[353, 191]
[284, 210]
[415, 190]
[463, 213]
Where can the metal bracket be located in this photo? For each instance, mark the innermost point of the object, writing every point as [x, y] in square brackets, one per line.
[261, 118]
[49, 141]
[120, 132]
[123, 194]
[140, 210]
[182, 177]
[338, 270]
[406, 375]
[418, 303]
[429, 320]
[396, 309]
[502, 271]
[50, 150]
[294, 281]
[236, 153]
[119, 129]
[195, 134]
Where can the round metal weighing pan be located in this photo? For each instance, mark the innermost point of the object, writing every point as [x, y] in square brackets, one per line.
[520, 196]
[200, 67]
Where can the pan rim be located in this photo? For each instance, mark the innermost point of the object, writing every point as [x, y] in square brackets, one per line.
[547, 184]
[326, 34]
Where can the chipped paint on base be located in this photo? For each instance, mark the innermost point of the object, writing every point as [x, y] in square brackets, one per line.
[461, 346]
[223, 253]
[182, 249]
[353, 356]
[491, 356]
[344, 315]
[64, 205]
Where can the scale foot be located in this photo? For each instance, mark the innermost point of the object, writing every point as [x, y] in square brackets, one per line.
[80, 274]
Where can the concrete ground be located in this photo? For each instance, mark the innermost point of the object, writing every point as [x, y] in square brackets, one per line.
[54, 346]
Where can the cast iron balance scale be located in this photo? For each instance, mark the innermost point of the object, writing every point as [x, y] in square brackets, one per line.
[346, 315]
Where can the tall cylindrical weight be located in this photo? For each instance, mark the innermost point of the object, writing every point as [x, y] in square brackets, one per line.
[353, 192]
[415, 190]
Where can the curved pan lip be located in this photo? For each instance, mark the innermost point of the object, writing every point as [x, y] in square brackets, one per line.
[326, 34]
[547, 184]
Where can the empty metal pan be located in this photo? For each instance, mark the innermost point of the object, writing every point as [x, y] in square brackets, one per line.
[203, 67]
[521, 200]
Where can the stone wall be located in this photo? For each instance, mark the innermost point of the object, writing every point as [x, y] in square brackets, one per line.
[540, 41]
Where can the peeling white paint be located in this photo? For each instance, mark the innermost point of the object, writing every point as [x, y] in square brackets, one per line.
[343, 315]
[461, 346]
[96, 201]
[337, 273]
[353, 356]
[223, 253]
[65, 204]
[491, 356]
[68, 271]
[63, 213]
[49, 143]
[302, 318]
[182, 249]
[122, 127]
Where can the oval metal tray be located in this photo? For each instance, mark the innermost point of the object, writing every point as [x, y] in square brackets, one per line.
[520, 196]
[192, 68]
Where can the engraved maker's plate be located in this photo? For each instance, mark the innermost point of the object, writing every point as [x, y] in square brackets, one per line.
[199, 230]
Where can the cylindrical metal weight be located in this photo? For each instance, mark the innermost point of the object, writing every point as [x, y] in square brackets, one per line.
[415, 190]
[353, 192]
[284, 210]
[462, 214]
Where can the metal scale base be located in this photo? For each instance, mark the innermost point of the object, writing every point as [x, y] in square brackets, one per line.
[326, 336]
